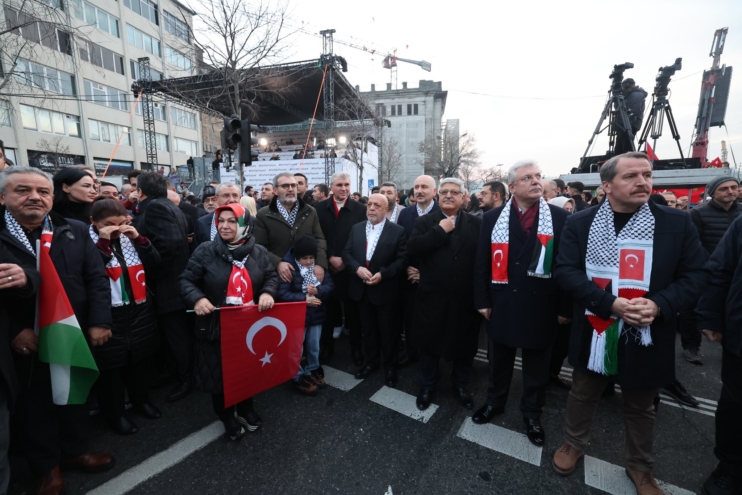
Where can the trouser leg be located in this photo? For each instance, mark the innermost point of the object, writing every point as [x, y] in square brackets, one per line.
[461, 371]
[334, 319]
[389, 334]
[560, 350]
[4, 443]
[501, 361]
[74, 434]
[301, 371]
[137, 381]
[311, 347]
[581, 405]
[535, 378]
[728, 414]
[111, 392]
[639, 415]
[180, 339]
[353, 324]
[371, 338]
[408, 308]
[217, 402]
[427, 370]
[690, 336]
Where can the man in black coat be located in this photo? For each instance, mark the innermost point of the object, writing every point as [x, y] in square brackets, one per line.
[719, 316]
[424, 191]
[375, 256]
[51, 435]
[166, 227]
[446, 323]
[337, 216]
[631, 266]
[226, 194]
[575, 192]
[517, 294]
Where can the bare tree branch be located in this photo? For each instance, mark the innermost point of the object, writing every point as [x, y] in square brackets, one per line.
[445, 158]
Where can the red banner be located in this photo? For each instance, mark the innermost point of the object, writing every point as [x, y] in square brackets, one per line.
[260, 350]
[499, 261]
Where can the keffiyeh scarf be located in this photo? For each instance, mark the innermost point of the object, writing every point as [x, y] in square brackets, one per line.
[543, 252]
[213, 232]
[373, 233]
[134, 268]
[421, 212]
[17, 231]
[307, 276]
[621, 265]
[289, 216]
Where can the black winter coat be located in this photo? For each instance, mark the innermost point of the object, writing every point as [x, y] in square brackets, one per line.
[446, 323]
[161, 222]
[292, 292]
[207, 275]
[134, 326]
[720, 306]
[525, 310]
[712, 221]
[677, 280]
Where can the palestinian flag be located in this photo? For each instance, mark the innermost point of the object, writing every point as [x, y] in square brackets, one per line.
[61, 341]
[119, 297]
[543, 257]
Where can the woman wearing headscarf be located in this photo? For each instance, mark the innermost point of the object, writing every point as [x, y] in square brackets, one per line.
[564, 203]
[74, 193]
[210, 280]
[124, 360]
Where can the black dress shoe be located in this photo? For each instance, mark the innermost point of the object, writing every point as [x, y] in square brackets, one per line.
[391, 378]
[486, 413]
[680, 394]
[123, 426]
[464, 397]
[534, 431]
[358, 358]
[179, 391]
[148, 411]
[365, 371]
[424, 399]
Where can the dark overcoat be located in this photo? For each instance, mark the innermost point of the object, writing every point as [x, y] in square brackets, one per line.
[446, 323]
[525, 310]
[677, 279]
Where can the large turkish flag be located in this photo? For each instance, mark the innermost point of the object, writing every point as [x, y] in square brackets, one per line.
[631, 265]
[260, 350]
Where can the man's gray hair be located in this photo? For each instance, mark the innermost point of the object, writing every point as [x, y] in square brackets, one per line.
[452, 180]
[339, 175]
[18, 170]
[608, 171]
[513, 170]
[389, 184]
[282, 174]
[553, 185]
[224, 184]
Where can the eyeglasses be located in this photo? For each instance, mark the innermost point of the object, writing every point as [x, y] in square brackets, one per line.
[286, 187]
[451, 193]
[527, 179]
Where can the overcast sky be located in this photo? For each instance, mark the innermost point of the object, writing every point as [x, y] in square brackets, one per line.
[546, 63]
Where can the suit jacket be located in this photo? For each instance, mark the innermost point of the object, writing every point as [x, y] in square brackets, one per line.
[525, 310]
[446, 323]
[677, 280]
[408, 216]
[191, 214]
[389, 259]
[166, 227]
[202, 231]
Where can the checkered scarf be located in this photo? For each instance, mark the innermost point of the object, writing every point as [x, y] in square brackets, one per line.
[213, 231]
[17, 231]
[135, 269]
[307, 276]
[290, 217]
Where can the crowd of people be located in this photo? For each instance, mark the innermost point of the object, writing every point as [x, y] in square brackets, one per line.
[412, 277]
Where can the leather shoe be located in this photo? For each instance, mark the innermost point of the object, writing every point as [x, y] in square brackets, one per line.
[148, 411]
[180, 391]
[391, 378]
[565, 459]
[51, 483]
[644, 482]
[486, 413]
[123, 426]
[92, 462]
[358, 358]
[559, 382]
[680, 394]
[408, 358]
[464, 397]
[365, 371]
[424, 399]
[534, 431]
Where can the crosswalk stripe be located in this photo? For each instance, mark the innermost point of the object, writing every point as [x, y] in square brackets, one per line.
[403, 403]
[340, 379]
[501, 440]
[614, 480]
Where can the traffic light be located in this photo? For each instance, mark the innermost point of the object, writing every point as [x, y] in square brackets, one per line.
[248, 141]
[231, 136]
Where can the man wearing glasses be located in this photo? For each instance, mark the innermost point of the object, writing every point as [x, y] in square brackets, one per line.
[286, 218]
[516, 293]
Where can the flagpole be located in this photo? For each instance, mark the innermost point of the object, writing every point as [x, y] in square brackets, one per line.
[36, 316]
[193, 310]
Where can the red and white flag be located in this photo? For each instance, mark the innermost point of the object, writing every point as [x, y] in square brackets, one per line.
[260, 350]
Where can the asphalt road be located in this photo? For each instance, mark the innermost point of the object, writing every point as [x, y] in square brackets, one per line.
[343, 442]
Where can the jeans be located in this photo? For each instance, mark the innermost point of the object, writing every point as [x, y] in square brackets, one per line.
[311, 350]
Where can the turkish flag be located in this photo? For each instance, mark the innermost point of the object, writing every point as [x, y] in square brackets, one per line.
[631, 264]
[260, 350]
[650, 153]
[716, 162]
[500, 261]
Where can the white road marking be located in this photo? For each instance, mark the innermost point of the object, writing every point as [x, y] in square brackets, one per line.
[156, 464]
[340, 379]
[614, 480]
[403, 403]
[501, 440]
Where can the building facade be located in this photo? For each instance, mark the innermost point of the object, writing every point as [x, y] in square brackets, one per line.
[67, 72]
[415, 115]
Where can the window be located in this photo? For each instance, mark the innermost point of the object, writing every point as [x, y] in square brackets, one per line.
[182, 118]
[161, 141]
[158, 109]
[380, 110]
[409, 109]
[37, 31]
[177, 59]
[102, 57]
[177, 27]
[109, 133]
[394, 110]
[185, 146]
[96, 17]
[399, 110]
[33, 74]
[39, 119]
[146, 9]
[155, 75]
[144, 41]
[103, 95]
[414, 109]
[4, 113]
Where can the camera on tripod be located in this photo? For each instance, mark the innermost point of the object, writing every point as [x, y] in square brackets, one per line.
[619, 69]
[663, 78]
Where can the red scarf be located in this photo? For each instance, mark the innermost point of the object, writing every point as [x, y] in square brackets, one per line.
[239, 289]
[528, 218]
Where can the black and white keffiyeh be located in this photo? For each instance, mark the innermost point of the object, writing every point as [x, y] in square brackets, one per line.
[421, 212]
[214, 230]
[373, 232]
[127, 249]
[307, 276]
[17, 231]
[289, 216]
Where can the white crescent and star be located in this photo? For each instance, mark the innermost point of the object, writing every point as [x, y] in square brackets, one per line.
[494, 256]
[136, 277]
[267, 321]
[626, 259]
